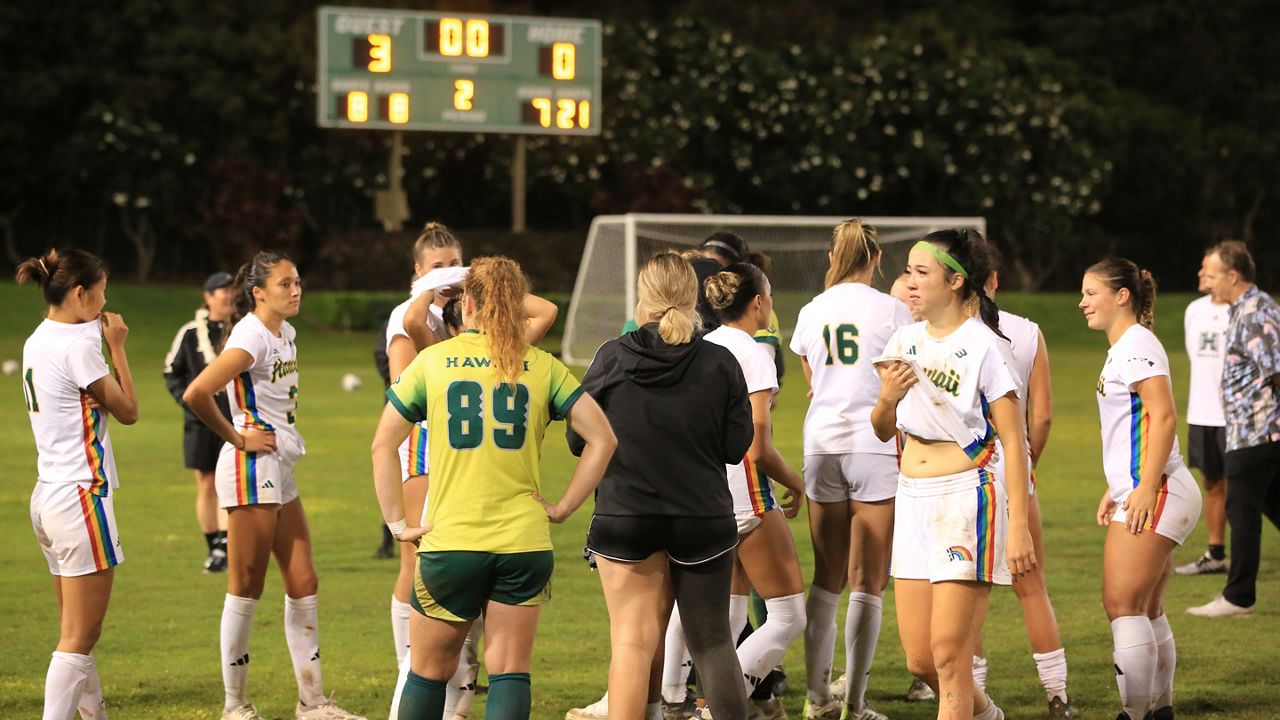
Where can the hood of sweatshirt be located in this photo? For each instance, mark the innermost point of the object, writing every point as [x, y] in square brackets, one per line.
[647, 360]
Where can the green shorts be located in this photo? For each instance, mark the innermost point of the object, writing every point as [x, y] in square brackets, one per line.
[454, 585]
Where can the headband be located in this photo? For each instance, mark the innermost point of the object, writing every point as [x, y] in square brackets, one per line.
[723, 246]
[942, 256]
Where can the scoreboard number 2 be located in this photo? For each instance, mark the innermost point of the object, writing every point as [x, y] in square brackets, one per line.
[463, 92]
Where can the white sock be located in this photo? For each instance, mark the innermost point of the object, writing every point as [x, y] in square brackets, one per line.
[765, 647]
[92, 706]
[1166, 662]
[1052, 669]
[979, 674]
[991, 713]
[1135, 660]
[676, 661]
[861, 633]
[302, 634]
[237, 621]
[400, 626]
[456, 697]
[653, 711]
[738, 609]
[64, 683]
[819, 643]
[402, 676]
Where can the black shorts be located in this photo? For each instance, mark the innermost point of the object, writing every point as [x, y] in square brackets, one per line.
[200, 448]
[1207, 449]
[685, 540]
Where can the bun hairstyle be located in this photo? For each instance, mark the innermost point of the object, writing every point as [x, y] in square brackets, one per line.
[732, 289]
[1235, 255]
[668, 292]
[433, 237]
[972, 251]
[498, 287]
[58, 272]
[853, 249]
[1119, 273]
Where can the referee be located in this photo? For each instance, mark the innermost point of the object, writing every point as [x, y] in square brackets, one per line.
[194, 347]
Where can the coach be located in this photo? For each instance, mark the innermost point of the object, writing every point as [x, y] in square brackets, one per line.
[1251, 399]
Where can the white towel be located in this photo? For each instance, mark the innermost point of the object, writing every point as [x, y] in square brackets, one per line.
[439, 278]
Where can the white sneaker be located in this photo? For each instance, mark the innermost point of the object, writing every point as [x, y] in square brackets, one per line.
[828, 711]
[324, 710]
[598, 710]
[920, 691]
[1203, 565]
[1219, 607]
[839, 686]
[866, 713]
[243, 711]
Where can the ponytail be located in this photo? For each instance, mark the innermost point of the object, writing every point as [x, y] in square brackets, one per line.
[853, 249]
[668, 291]
[1146, 307]
[498, 287]
[1121, 274]
[60, 272]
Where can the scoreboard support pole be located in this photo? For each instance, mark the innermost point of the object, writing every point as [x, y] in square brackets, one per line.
[518, 186]
[391, 206]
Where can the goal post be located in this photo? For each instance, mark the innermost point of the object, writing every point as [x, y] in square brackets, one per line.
[604, 295]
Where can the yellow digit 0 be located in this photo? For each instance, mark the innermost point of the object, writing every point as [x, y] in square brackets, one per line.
[398, 108]
[463, 92]
[563, 60]
[478, 38]
[450, 37]
[543, 106]
[357, 106]
[379, 53]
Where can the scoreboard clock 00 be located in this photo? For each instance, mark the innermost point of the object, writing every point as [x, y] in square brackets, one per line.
[408, 70]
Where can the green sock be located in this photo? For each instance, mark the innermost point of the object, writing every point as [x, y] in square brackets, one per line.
[508, 697]
[758, 608]
[422, 699]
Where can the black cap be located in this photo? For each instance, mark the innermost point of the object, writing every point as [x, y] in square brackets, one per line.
[217, 280]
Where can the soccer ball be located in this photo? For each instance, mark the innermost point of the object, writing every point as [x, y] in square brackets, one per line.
[9, 366]
[351, 382]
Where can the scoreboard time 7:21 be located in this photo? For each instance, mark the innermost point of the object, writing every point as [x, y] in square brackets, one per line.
[406, 70]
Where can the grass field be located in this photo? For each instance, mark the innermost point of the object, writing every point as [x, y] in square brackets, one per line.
[158, 657]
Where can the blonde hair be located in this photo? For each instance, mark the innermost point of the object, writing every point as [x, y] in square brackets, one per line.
[668, 291]
[433, 237]
[853, 249]
[498, 287]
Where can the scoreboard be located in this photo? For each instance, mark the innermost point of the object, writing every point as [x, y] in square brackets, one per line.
[409, 70]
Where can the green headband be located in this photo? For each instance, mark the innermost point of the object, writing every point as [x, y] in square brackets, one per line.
[941, 256]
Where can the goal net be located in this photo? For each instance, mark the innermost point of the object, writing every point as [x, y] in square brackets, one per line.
[604, 296]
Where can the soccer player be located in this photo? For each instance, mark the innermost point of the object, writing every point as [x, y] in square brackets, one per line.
[1205, 327]
[193, 348]
[69, 391]
[258, 366]
[1151, 503]
[949, 384]
[850, 475]
[487, 397]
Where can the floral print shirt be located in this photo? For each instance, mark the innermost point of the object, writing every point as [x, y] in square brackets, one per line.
[1249, 393]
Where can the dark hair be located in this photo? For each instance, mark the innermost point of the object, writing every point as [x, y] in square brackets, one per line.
[452, 313]
[1235, 256]
[253, 274]
[1119, 273]
[973, 253]
[730, 248]
[60, 271]
[732, 289]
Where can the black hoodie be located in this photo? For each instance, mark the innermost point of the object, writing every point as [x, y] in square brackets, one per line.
[680, 413]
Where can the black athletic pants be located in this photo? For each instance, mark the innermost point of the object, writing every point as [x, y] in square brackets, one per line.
[1253, 490]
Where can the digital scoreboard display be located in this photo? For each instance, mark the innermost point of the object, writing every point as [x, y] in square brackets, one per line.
[407, 70]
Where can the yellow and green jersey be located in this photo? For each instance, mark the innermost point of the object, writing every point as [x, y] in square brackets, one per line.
[485, 442]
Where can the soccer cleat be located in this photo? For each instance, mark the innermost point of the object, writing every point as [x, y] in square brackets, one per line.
[1061, 708]
[678, 711]
[833, 710]
[1164, 713]
[866, 713]
[243, 711]
[1203, 565]
[216, 562]
[598, 710]
[839, 686]
[324, 710]
[1219, 607]
[920, 691]
[770, 709]
[701, 713]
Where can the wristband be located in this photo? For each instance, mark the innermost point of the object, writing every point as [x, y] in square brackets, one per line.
[397, 527]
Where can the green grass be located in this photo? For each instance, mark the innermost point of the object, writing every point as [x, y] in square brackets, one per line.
[159, 652]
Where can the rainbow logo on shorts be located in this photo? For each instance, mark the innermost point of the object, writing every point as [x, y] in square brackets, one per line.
[959, 553]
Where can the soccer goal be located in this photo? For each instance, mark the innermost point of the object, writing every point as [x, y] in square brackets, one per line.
[604, 296]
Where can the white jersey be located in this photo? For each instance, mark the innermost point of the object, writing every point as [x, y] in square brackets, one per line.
[838, 333]
[1206, 335]
[972, 367]
[750, 494]
[395, 322]
[1136, 356]
[1024, 342]
[59, 363]
[266, 395]
[413, 451]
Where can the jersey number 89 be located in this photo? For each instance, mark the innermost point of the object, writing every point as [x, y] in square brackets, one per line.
[510, 407]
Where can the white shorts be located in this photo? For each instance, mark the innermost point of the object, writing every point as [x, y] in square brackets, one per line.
[752, 493]
[864, 477]
[253, 478]
[1177, 507]
[951, 528]
[76, 529]
[747, 522]
[413, 454]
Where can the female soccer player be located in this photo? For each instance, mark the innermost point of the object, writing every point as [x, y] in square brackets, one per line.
[193, 348]
[850, 475]
[258, 366]
[487, 397]
[67, 386]
[671, 524]
[1152, 502]
[953, 526]
[767, 558]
